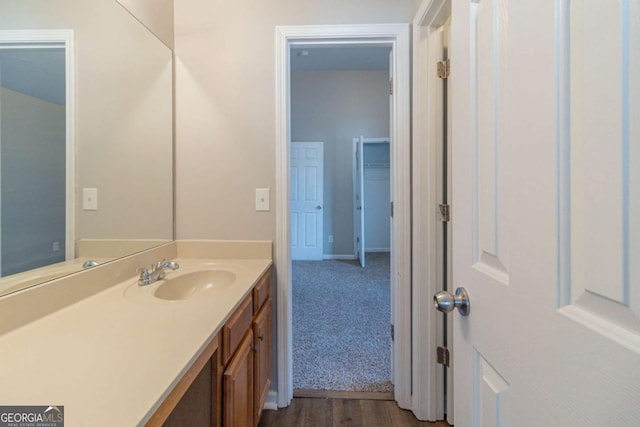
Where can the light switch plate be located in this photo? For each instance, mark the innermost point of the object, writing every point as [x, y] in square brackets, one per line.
[262, 199]
[90, 199]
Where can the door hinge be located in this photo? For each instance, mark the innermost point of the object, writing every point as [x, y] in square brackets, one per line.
[393, 334]
[443, 356]
[391, 86]
[444, 69]
[444, 212]
[391, 209]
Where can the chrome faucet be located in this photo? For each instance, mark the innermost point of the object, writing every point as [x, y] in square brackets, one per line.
[90, 263]
[157, 272]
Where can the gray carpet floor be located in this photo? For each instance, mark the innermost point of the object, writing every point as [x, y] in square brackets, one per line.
[341, 325]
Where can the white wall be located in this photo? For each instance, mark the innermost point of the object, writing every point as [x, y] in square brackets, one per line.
[32, 155]
[225, 101]
[335, 107]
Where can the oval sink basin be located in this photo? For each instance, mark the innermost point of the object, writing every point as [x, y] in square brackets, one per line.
[189, 285]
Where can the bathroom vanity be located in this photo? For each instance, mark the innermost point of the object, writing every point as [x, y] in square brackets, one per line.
[229, 381]
[116, 353]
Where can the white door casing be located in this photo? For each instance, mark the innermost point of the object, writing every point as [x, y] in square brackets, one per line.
[307, 189]
[360, 210]
[395, 36]
[427, 275]
[400, 230]
[546, 212]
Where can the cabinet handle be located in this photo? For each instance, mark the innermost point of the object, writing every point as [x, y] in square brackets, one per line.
[255, 349]
[261, 337]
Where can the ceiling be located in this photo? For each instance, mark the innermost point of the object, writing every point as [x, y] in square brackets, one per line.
[340, 58]
[36, 72]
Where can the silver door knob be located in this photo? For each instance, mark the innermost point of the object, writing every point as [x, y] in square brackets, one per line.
[445, 302]
[318, 207]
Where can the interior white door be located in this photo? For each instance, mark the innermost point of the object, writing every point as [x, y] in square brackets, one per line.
[307, 187]
[546, 212]
[359, 195]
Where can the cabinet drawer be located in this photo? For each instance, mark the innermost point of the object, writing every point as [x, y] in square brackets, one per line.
[235, 328]
[261, 291]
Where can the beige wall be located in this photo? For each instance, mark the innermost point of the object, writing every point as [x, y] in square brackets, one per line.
[123, 95]
[334, 107]
[156, 15]
[225, 102]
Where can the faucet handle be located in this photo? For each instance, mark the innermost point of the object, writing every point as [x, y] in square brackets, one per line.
[144, 276]
[172, 265]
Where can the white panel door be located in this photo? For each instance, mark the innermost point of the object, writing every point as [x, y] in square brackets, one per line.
[307, 166]
[546, 212]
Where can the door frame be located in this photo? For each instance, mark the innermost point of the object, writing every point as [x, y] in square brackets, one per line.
[428, 377]
[58, 38]
[354, 160]
[397, 36]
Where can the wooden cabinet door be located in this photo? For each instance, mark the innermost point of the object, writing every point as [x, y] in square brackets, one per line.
[238, 386]
[262, 361]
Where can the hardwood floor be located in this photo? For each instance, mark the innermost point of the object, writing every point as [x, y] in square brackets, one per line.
[311, 412]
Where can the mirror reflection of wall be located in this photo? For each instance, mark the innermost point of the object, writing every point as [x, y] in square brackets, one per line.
[32, 157]
[123, 133]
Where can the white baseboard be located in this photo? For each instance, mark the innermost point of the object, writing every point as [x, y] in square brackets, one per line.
[271, 403]
[377, 250]
[330, 256]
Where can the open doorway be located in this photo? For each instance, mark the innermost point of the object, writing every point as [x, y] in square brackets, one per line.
[341, 312]
[397, 37]
[372, 197]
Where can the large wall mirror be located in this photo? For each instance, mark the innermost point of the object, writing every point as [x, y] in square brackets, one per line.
[86, 138]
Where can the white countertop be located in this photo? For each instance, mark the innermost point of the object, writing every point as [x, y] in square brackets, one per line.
[112, 358]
